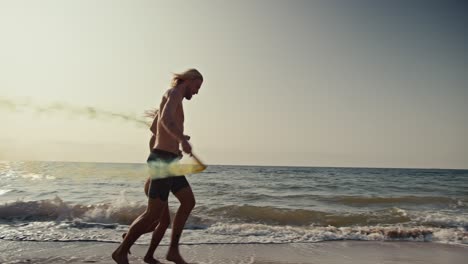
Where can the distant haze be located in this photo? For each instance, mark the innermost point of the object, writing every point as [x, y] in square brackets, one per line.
[294, 83]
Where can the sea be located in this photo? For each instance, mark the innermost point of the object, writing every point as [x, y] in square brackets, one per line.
[75, 201]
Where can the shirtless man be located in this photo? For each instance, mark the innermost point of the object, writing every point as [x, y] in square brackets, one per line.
[159, 226]
[169, 135]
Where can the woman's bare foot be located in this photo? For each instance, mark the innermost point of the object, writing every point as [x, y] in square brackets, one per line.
[174, 256]
[151, 260]
[119, 258]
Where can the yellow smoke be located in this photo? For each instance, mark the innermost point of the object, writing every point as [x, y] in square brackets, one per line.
[156, 170]
[57, 107]
[160, 170]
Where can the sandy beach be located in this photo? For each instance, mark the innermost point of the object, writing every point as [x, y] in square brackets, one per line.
[336, 252]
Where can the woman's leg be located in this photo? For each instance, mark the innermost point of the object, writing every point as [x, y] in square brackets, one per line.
[158, 234]
[187, 202]
[155, 223]
[138, 227]
[150, 228]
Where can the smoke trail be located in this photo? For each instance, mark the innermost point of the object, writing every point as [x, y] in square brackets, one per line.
[157, 170]
[55, 108]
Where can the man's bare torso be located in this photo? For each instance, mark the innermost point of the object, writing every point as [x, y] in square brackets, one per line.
[164, 140]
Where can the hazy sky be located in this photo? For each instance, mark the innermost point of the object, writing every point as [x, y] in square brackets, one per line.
[314, 83]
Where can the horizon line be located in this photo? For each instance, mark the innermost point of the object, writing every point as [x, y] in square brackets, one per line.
[243, 165]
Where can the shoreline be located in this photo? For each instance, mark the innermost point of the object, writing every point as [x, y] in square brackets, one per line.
[327, 252]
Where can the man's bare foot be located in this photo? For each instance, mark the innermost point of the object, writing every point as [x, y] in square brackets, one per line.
[174, 256]
[151, 260]
[119, 258]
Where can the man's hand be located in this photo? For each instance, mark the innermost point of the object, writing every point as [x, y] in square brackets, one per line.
[186, 146]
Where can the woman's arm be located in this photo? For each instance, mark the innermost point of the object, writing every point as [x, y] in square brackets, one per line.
[154, 131]
[154, 125]
[151, 142]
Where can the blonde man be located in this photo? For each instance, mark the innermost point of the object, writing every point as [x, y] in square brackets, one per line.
[168, 130]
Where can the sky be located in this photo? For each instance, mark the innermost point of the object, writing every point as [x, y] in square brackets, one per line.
[286, 83]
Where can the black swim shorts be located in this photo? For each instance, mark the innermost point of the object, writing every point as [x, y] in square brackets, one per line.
[159, 188]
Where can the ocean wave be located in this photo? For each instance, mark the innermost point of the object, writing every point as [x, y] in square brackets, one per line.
[120, 212]
[281, 216]
[229, 233]
[300, 217]
[366, 201]
[407, 200]
[320, 233]
[124, 212]
[441, 219]
[83, 216]
[260, 233]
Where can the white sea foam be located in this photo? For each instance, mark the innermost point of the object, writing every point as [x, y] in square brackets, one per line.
[233, 233]
[37, 177]
[441, 219]
[3, 191]
[247, 233]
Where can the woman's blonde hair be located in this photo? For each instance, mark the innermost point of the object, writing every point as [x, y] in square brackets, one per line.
[190, 74]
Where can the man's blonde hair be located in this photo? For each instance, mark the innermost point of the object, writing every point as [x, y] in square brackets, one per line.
[190, 74]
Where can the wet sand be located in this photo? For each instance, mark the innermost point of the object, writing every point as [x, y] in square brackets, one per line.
[335, 252]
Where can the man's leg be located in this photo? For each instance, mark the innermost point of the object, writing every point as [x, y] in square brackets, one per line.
[187, 202]
[158, 234]
[138, 227]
